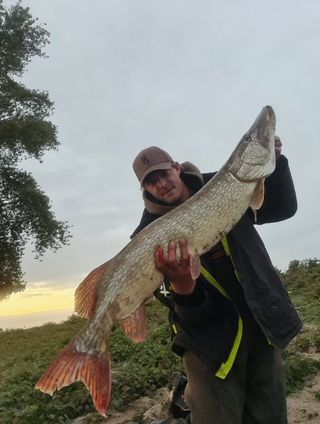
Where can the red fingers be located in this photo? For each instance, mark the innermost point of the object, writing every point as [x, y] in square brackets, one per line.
[176, 267]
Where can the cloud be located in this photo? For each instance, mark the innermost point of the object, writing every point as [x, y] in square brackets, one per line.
[187, 77]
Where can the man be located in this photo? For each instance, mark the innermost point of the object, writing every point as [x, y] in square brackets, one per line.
[229, 337]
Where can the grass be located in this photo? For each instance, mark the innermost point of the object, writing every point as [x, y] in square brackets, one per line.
[138, 369]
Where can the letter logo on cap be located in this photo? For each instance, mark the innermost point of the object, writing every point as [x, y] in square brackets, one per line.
[145, 160]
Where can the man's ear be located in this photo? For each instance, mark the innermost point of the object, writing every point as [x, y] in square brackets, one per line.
[177, 167]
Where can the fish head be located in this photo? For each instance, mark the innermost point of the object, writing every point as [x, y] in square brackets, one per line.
[254, 156]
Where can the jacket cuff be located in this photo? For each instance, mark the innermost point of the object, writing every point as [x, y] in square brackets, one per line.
[196, 309]
[193, 299]
[281, 164]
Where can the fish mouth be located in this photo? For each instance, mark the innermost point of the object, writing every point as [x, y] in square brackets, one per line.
[263, 128]
[254, 157]
[269, 110]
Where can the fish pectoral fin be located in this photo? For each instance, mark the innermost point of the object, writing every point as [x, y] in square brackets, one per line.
[135, 325]
[258, 196]
[94, 370]
[195, 266]
[85, 297]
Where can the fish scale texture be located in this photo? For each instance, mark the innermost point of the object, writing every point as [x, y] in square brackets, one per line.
[203, 220]
[122, 284]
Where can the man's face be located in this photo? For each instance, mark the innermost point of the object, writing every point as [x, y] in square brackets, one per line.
[167, 186]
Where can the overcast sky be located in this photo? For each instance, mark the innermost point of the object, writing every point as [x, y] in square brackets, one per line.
[187, 76]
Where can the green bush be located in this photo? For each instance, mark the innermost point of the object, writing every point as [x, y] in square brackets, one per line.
[137, 369]
[299, 370]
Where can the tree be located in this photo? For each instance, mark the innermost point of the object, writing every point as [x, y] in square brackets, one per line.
[25, 132]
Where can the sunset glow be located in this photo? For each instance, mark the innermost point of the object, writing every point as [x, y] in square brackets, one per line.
[37, 304]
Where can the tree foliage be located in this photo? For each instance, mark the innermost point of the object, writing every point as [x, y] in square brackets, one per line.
[25, 132]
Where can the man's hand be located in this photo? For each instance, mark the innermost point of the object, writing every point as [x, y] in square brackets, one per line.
[277, 146]
[177, 270]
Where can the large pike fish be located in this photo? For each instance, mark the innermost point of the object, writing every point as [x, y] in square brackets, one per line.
[115, 293]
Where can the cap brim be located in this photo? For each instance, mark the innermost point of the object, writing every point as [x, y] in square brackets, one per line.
[156, 167]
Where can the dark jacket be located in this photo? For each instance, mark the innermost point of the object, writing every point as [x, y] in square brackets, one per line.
[207, 320]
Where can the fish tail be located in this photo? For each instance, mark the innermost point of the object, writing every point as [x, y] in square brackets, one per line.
[93, 370]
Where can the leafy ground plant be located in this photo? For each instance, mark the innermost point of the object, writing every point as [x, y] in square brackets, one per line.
[138, 370]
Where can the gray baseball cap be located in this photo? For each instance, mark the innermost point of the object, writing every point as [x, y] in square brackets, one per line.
[151, 159]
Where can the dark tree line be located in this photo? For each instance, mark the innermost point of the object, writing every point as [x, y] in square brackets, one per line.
[25, 132]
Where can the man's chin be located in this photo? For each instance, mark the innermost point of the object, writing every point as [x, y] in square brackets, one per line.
[168, 197]
[171, 200]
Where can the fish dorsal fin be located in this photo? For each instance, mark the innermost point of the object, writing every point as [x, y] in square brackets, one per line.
[257, 197]
[135, 325]
[85, 296]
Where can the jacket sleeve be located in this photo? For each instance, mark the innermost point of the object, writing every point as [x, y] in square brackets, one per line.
[280, 200]
[194, 308]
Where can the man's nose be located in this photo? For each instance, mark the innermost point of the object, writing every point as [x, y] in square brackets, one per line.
[162, 181]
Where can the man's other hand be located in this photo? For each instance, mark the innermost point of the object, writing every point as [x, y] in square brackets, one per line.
[277, 146]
